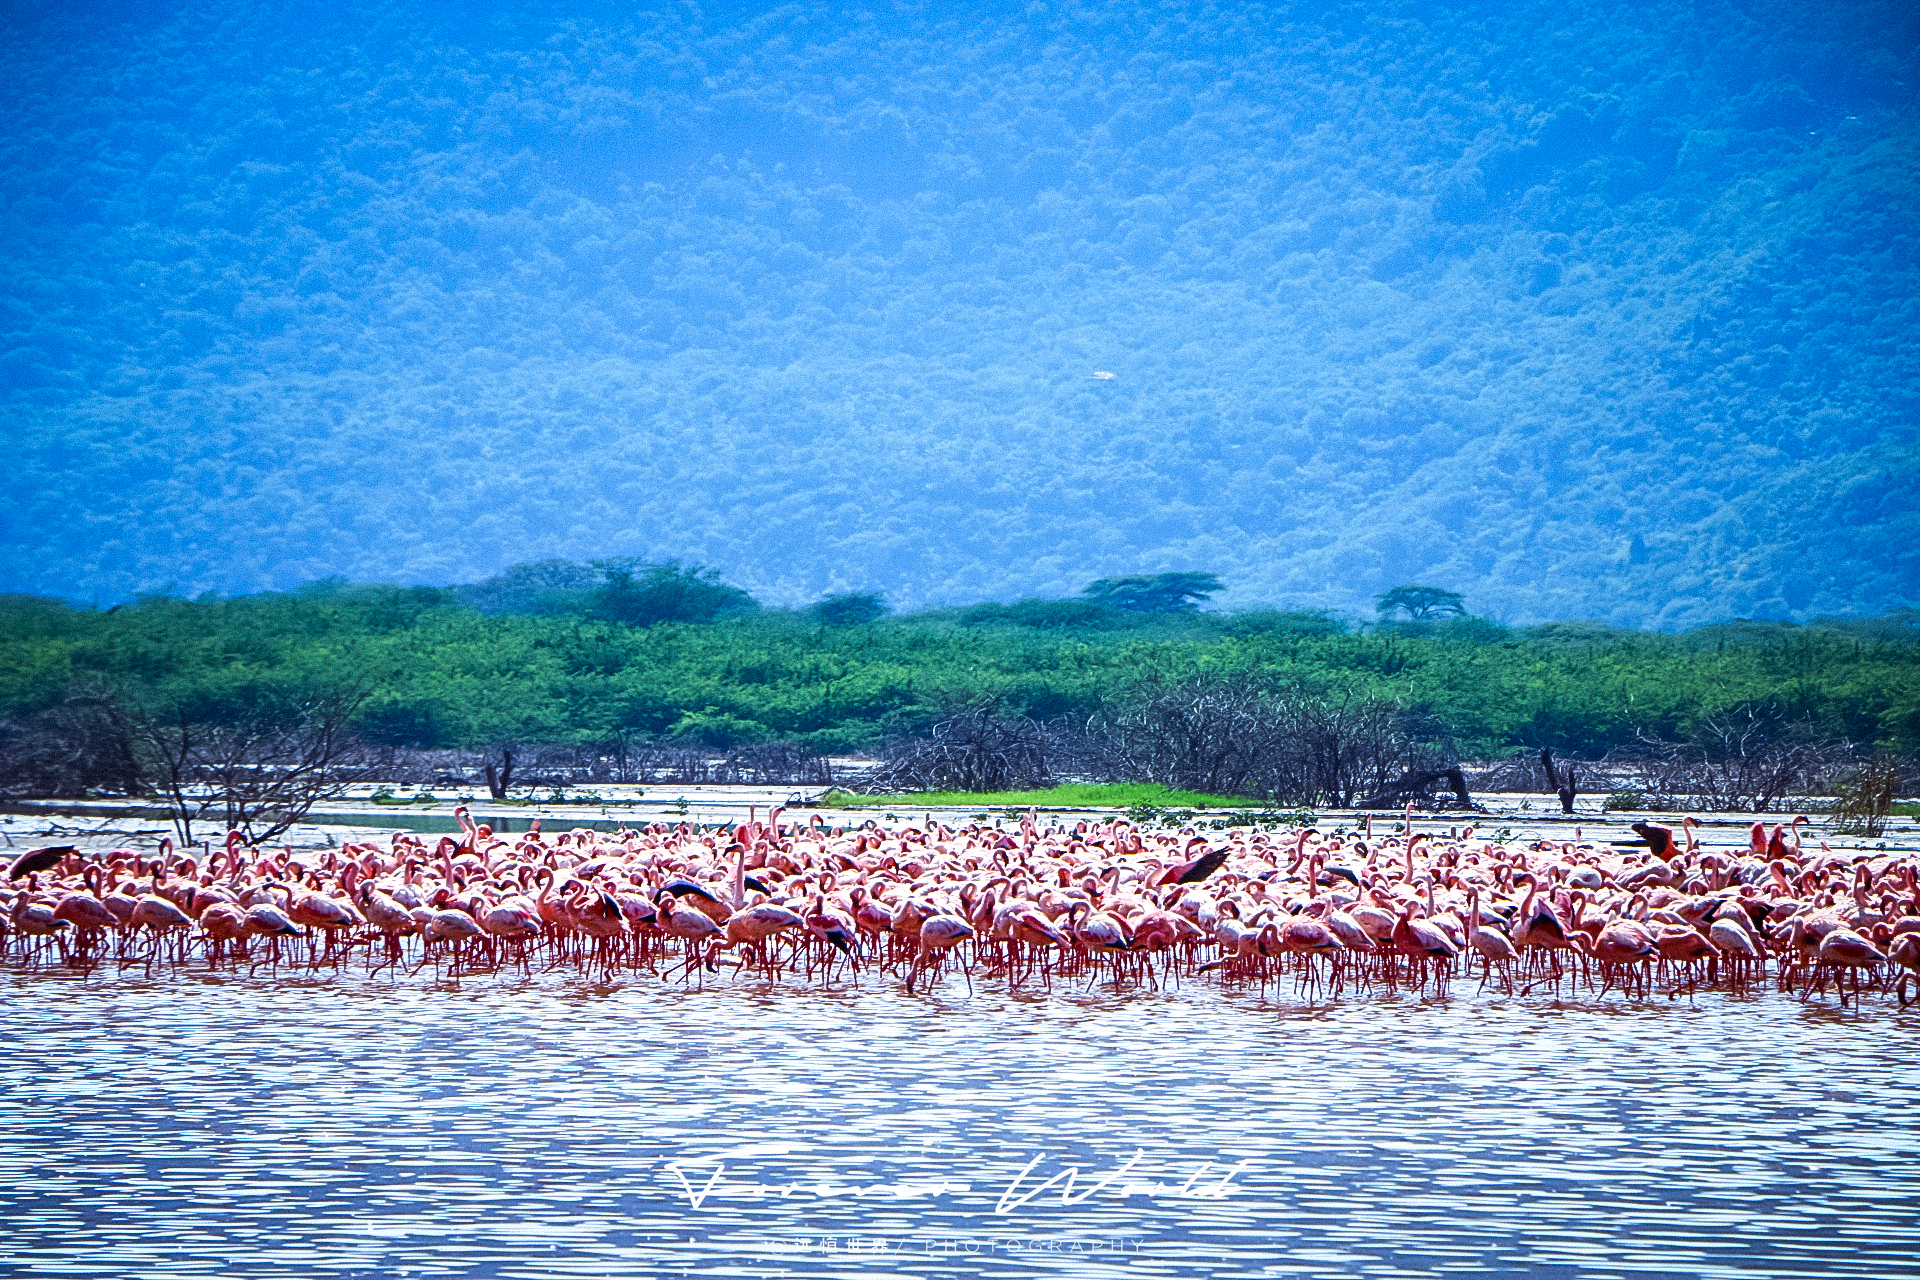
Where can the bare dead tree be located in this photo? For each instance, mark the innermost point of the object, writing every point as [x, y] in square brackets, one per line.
[1418, 785]
[1747, 760]
[1356, 750]
[1234, 734]
[667, 762]
[1863, 797]
[82, 744]
[258, 776]
[498, 780]
[1526, 772]
[977, 749]
[1209, 733]
[1564, 782]
[775, 763]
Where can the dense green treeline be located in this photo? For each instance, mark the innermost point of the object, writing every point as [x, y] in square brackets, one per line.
[436, 672]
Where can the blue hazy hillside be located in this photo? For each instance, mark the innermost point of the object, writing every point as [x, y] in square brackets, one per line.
[1583, 310]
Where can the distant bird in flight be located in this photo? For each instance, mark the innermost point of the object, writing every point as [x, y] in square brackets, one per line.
[1103, 375]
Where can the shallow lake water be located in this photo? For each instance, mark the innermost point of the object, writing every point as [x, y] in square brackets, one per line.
[193, 1124]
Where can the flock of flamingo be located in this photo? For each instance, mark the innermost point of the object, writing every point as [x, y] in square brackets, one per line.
[1096, 900]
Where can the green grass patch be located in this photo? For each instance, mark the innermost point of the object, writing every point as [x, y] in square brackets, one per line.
[1118, 795]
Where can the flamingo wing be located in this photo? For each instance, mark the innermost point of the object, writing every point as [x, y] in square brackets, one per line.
[38, 860]
[1201, 867]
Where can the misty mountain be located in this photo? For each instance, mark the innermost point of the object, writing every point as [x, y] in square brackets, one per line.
[1595, 311]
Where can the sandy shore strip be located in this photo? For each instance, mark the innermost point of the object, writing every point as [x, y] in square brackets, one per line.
[97, 824]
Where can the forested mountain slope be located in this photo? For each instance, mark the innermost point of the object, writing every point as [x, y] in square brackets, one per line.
[1586, 311]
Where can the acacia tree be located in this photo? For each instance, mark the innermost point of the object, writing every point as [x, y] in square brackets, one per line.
[1154, 592]
[642, 594]
[539, 587]
[1420, 603]
[850, 608]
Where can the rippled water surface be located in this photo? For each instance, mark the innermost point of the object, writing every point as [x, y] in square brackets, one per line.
[192, 1124]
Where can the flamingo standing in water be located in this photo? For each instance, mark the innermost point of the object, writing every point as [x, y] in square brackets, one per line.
[939, 935]
[831, 927]
[264, 920]
[446, 924]
[36, 919]
[1537, 925]
[1095, 930]
[1422, 939]
[1623, 946]
[755, 926]
[83, 909]
[386, 914]
[158, 915]
[1905, 952]
[695, 928]
[1492, 946]
[1098, 899]
[1842, 951]
[1736, 943]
